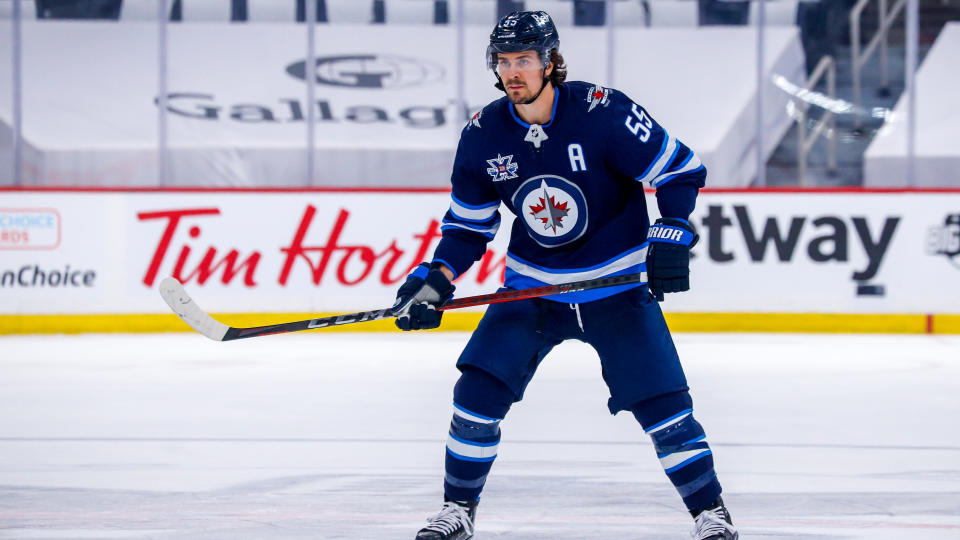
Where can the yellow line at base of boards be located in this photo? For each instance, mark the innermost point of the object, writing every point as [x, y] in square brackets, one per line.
[467, 321]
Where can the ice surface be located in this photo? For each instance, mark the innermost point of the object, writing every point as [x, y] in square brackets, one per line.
[333, 435]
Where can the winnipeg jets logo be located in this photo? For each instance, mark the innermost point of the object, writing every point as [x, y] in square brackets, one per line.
[475, 121]
[548, 210]
[598, 95]
[553, 209]
[502, 168]
[536, 135]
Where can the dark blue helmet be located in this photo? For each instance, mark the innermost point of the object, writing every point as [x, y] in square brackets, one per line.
[523, 31]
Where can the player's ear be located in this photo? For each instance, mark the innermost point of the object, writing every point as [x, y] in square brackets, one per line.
[548, 70]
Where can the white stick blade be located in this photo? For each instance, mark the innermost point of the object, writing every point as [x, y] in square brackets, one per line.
[180, 302]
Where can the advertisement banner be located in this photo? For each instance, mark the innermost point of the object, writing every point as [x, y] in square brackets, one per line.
[327, 252]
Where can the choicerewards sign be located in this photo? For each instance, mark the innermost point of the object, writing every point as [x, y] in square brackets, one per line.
[32, 258]
[340, 252]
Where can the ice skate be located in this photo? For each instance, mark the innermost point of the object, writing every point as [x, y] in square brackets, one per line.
[453, 522]
[714, 524]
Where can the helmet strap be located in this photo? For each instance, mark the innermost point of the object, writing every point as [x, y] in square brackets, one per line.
[542, 87]
[499, 83]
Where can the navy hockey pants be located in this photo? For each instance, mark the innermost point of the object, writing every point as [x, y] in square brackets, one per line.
[637, 355]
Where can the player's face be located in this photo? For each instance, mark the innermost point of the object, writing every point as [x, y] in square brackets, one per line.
[521, 73]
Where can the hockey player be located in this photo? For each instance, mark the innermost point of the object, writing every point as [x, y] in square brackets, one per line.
[570, 160]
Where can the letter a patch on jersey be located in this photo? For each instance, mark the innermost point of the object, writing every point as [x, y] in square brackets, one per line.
[502, 168]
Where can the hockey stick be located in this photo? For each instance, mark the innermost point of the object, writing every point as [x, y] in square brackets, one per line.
[180, 302]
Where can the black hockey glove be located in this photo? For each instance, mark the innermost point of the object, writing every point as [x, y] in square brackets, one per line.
[421, 294]
[668, 258]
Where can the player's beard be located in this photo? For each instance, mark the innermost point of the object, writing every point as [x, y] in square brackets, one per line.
[521, 96]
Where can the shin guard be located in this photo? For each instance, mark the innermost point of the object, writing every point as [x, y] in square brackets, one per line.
[480, 403]
[471, 448]
[681, 445]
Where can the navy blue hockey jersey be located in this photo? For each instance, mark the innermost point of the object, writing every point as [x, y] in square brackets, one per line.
[574, 184]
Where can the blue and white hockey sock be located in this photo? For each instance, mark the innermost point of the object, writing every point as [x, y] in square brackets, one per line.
[682, 447]
[471, 448]
[480, 401]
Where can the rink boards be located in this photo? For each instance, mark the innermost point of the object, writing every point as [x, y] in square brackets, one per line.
[820, 261]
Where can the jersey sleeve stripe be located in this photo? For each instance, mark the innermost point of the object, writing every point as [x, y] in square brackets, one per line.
[686, 160]
[473, 213]
[491, 204]
[653, 162]
[488, 232]
[664, 159]
[475, 216]
[693, 163]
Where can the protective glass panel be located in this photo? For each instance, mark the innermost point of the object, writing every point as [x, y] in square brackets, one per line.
[236, 110]
[807, 154]
[386, 75]
[916, 143]
[793, 106]
[876, 122]
[935, 132]
[7, 45]
[89, 83]
[693, 66]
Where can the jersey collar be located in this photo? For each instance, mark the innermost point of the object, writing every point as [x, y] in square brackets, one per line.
[553, 114]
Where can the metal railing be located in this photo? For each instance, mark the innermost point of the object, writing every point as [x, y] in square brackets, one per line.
[859, 58]
[827, 124]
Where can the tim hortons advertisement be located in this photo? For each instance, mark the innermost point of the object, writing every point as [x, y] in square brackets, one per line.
[336, 251]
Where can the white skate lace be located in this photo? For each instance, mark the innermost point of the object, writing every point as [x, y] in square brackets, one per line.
[710, 523]
[450, 517]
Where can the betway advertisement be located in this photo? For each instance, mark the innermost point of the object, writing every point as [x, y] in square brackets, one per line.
[246, 252]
